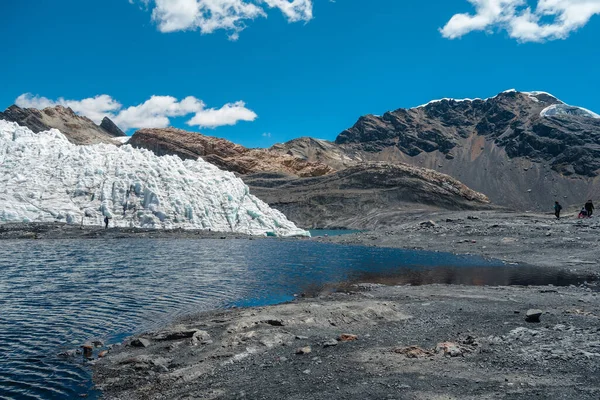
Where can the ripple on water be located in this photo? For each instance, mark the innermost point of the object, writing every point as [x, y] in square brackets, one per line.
[55, 295]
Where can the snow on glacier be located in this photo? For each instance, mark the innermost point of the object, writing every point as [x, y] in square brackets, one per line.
[45, 178]
[564, 109]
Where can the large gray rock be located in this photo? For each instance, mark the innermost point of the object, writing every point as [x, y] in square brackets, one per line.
[533, 315]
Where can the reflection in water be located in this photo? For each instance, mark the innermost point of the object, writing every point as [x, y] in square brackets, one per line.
[475, 276]
[55, 295]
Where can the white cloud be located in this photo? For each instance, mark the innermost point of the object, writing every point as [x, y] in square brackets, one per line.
[95, 108]
[153, 113]
[230, 15]
[266, 134]
[523, 22]
[229, 114]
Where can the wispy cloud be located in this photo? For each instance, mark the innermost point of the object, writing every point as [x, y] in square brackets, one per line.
[153, 113]
[209, 16]
[266, 134]
[548, 20]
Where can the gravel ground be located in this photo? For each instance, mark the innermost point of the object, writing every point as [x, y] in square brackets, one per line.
[427, 342]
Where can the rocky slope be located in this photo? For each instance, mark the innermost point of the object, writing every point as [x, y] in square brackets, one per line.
[313, 194]
[78, 129]
[523, 150]
[365, 196]
[223, 153]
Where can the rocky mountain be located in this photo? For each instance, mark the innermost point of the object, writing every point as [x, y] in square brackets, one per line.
[522, 149]
[364, 196]
[223, 153]
[77, 129]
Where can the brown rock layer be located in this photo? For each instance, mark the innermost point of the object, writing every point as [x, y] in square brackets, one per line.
[223, 153]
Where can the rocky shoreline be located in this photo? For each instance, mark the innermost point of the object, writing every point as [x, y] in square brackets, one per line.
[373, 342]
[41, 230]
[530, 238]
[370, 341]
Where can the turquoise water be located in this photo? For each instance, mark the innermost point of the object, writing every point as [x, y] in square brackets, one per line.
[331, 232]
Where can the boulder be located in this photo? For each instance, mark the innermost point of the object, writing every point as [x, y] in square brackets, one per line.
[533, 315]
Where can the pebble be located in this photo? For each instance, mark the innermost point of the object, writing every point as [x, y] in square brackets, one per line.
[330, 343]
[304, 350]
[347, 337]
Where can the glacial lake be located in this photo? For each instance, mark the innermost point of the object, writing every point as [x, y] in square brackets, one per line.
[57, 294]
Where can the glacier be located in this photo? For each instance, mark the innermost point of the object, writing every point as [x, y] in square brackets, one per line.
[45, 178]
[564, 109]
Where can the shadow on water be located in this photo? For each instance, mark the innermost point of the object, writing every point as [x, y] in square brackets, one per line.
[509, 275]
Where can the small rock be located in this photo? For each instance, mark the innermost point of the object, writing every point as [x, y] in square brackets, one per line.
[306, 371]
[472, 217]
[549, 233]
[330, 343]
[347, 337]
[449, 349]
[200, 337]
[301, 337]
[428, 224]
[141, 342]
[304, 350]
[88, 349]
[533, 315]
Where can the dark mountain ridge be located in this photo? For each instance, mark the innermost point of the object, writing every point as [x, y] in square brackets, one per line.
[78, 129]
[523, 150]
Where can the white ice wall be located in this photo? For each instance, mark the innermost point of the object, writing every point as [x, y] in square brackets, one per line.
[44, 177]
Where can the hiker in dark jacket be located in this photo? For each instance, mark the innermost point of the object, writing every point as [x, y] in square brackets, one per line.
[557, 209]
[589, 207]
[106, 222]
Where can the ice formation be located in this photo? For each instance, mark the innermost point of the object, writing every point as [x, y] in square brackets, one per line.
[532, 96]
[564, 109]
[45, 178]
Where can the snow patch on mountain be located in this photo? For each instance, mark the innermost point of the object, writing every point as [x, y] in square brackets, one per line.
[564, 109]
[45, 178]
[532, 95]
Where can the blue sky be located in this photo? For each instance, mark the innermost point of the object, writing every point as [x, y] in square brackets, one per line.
[313, 77]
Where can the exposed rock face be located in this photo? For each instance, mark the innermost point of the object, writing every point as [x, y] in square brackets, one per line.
[223, 153]
[308, 148]
[365, 196]
[111, 128]
[78, 129]
[501, 146]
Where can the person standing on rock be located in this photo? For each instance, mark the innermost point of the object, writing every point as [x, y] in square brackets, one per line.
[589, 207]
[106, 222]
[557, 209]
